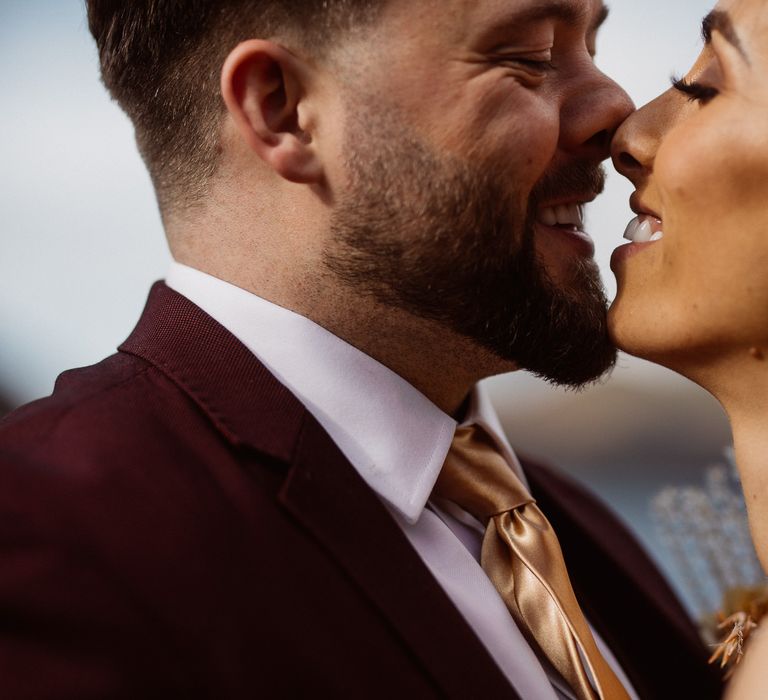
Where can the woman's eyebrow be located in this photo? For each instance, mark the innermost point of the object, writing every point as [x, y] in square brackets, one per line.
[720, 21]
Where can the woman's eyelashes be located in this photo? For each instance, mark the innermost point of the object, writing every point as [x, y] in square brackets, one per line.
[697, 92]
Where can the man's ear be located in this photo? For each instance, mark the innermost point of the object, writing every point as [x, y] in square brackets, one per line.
[262, 88]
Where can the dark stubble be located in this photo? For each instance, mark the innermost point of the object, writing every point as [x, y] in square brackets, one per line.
[446, 241]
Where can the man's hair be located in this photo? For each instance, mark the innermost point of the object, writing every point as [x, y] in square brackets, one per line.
[161, 61]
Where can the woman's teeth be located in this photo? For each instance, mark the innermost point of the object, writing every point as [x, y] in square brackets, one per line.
[563, 215]
[644, 229]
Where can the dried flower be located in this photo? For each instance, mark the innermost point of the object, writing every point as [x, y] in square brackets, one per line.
[731, 650]
[705, 531]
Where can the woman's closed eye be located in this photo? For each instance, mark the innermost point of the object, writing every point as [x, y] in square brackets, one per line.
[696, 91]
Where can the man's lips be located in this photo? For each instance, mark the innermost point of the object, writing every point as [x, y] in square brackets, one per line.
[566, 217]
[562, 215]
[565, 210]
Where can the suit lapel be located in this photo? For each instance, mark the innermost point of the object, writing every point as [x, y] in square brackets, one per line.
[322, 490]
[365, 540]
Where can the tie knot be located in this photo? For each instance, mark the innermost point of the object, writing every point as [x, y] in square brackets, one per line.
[477, 478]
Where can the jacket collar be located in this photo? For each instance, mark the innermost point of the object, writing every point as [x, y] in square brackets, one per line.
[395, 437]
[240, 396]
[252, 409]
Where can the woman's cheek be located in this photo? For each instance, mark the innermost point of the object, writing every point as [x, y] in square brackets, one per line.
[716, 161]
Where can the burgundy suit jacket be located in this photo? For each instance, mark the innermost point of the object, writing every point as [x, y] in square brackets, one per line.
[175, 524]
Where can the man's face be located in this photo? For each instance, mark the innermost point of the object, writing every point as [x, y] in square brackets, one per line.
[474, 130]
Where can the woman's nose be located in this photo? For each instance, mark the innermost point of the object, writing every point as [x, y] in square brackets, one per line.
[637, 140]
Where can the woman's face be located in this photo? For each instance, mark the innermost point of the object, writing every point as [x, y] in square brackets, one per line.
[698, 157]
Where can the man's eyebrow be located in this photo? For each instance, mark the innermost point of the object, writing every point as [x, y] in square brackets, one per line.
[601, 17]
[571, 12]
[720, 21]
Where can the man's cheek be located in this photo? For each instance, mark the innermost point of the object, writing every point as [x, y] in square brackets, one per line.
[525, 152]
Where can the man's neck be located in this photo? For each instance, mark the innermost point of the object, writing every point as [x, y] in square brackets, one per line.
[439, 363]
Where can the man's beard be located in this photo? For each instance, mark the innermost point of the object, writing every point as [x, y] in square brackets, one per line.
[448, 242]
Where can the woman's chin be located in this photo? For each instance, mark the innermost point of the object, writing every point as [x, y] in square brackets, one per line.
[624, 332]
[642, 338]
[701, 357]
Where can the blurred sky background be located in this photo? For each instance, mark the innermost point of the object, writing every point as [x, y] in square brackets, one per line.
[81, 242]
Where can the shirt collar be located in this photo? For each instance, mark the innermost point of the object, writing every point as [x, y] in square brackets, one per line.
[391, 433]
[482, 412]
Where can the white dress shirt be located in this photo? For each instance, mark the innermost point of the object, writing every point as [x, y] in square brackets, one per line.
[397, 440]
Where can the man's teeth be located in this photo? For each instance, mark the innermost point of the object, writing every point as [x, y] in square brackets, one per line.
[563, 215]
[641, 230]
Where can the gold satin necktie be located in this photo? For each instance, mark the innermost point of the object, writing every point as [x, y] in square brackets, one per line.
[523, 559]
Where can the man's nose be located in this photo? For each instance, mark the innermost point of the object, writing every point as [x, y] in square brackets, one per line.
[592, 116]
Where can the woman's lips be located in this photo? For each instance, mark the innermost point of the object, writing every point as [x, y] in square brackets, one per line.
[644, 228]
[643, 231]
